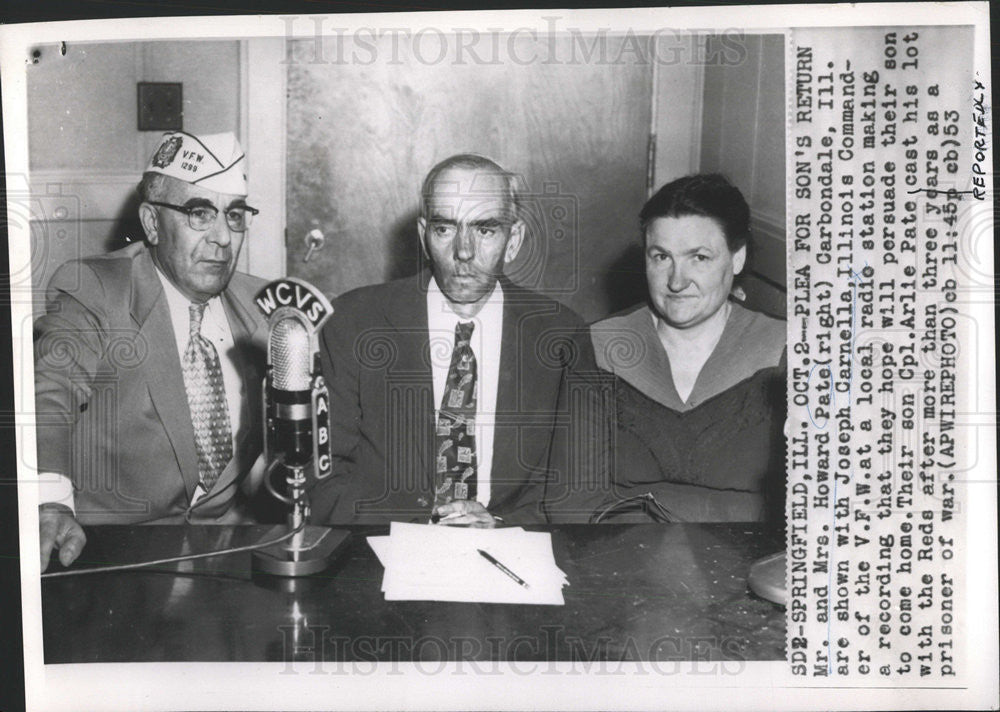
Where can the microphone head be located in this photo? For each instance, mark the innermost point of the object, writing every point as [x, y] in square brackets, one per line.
[290, 354]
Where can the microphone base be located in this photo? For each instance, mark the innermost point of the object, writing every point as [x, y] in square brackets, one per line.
[310, 552]
[767, 578]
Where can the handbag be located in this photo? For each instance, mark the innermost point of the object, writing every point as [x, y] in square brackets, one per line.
[637, 508]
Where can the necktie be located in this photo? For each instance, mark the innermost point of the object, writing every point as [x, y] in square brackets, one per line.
[455, 475]
[206, 394]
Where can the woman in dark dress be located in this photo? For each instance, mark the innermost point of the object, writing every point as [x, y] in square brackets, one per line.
[699, 378]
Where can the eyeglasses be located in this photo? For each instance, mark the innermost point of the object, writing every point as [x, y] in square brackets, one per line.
[202, 217]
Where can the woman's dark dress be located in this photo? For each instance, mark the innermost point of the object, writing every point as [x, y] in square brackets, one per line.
[720, 456]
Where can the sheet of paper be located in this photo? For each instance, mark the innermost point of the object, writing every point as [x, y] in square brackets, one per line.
[380, 545]
[438, 563]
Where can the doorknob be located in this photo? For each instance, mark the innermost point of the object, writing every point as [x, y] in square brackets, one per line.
[315, 239]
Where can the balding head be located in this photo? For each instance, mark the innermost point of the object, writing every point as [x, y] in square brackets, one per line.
[477, 165]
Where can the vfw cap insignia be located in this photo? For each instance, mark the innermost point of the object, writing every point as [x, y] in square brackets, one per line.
[213, 161]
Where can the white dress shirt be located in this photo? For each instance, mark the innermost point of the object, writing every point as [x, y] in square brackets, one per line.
[57, 488]
[485, 343]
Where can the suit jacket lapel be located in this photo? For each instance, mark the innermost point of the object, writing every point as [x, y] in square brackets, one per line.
[406, 313]
[505, 456]
[166, 382]
[243, 327]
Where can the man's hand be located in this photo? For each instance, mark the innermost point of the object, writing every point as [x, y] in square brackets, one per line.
[466, 513]
[58, 528]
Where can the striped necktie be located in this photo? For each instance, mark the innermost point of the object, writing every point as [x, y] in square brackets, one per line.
[206, 394]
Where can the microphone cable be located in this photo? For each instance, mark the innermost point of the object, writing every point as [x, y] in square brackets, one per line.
[175, 559]
[206, 498]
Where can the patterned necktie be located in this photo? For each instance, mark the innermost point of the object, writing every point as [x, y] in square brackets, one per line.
[455, 474]
[206, 394]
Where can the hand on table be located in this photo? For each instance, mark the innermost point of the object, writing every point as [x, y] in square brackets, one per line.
[467, 513]
[58, 529]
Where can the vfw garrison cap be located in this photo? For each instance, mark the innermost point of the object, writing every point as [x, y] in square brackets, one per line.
[213, 161]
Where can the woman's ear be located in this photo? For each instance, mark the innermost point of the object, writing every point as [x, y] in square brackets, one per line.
[739, 259]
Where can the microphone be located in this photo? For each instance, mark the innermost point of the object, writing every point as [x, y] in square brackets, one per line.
[290, 356]
[296, 424]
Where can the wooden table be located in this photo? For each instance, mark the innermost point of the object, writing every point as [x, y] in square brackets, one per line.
[638, 592]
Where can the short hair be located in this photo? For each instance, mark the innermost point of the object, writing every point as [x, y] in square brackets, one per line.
[709, 195]
[153, 186]
[476, 162]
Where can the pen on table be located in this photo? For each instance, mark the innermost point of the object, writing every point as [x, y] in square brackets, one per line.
[503, 568]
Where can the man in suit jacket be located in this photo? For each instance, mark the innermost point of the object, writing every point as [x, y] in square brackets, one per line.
[451, 391]
[149, 360]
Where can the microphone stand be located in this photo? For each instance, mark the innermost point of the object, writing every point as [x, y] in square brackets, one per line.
[310, 550]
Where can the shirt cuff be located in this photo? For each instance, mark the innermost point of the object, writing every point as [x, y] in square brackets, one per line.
[56, 489]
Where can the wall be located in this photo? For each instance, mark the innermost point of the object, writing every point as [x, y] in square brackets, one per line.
[86, 154]
[679, 95]
[743, 137]
[361, 137]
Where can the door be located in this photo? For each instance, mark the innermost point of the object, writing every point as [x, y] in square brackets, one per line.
[367, 119]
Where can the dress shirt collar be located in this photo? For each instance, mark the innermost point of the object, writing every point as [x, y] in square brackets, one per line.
[179, 305]
[442, 318]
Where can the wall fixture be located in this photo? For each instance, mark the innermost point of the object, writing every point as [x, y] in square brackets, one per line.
[160, 106]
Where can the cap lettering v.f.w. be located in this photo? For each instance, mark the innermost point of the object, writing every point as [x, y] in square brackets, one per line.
[213, 161]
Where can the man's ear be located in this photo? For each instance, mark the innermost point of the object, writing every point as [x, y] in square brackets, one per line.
[739, 259]
[150, 222]
[515, 241]
[421, 229]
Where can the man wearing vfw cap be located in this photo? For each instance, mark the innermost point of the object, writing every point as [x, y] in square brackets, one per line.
[149, 360]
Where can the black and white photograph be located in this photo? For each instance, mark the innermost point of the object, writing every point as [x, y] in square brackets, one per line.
[498, 360]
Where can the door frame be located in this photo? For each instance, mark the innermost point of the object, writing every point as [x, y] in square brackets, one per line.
[263, 82]
[263, 77]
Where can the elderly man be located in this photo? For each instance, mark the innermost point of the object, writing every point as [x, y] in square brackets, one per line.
[451, 390]
[149, 360]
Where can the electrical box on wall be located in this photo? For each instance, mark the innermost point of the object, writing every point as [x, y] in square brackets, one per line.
[160, 106]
